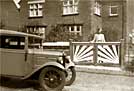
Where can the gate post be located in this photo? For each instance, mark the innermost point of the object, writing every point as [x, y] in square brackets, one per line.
[71, 49]
[95, 54]
[122, 54]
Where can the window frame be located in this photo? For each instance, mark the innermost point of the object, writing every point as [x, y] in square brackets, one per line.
[97, 8]
[110, 10]
[70, 8]
[132, 36]
[38, 30]
[75, 29]
[35, 8]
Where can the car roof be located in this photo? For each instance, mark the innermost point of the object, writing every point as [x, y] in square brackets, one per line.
[16, 33]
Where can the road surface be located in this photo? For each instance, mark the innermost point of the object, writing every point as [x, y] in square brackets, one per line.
[84, 82]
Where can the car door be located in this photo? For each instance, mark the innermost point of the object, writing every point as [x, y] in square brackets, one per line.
[12, 55]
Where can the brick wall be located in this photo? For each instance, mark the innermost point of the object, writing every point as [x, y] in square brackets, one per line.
[96, 20]
[112, 25]
[53, 14]
[9, 15]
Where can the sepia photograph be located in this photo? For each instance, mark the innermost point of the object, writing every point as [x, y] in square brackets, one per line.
[66, 45]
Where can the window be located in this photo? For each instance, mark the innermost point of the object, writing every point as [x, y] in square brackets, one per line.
[131, 36]
[12, 42]
[113, 10]
[97, 8]
[36, 8]
[37, 30]
[70, 7]
[74, 29]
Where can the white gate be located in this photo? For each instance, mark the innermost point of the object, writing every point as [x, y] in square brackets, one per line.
[95, 53]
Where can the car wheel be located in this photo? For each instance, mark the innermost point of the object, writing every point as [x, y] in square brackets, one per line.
[52, 79]
[71, 75]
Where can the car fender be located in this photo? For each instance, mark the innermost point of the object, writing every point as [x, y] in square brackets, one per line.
[54, 64]
[70, 64]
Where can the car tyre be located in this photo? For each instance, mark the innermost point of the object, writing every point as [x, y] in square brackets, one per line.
[52, 79]
[71, 75]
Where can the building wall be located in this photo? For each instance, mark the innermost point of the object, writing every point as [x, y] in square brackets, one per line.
[113, 25]
[9, 15]
[53, 14]
[83, 17]
[24, 13]
[130, 16]
[96, 20]
[129, 29]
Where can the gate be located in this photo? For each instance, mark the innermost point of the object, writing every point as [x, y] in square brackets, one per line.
[107, 53]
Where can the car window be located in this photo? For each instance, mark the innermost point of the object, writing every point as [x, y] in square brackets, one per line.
[34, 43]
[12, 42]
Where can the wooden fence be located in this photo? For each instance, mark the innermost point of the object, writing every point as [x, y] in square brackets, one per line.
[106, 53]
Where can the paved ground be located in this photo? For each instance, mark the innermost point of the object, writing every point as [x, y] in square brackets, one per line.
[101, 82]
[84, 82]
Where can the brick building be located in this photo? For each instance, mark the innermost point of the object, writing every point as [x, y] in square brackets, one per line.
[80, 17]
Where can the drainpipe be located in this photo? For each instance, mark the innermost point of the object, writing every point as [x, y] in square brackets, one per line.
[124, 19]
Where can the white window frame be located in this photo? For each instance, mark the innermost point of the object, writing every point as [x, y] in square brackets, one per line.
[132, 36]
[97, 8]
[69, 8]
[36, 8]
[110, 10]
[38, 30]
[75, 31]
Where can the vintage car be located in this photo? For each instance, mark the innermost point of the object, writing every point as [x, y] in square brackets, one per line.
[20, 60]
[65, 59]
